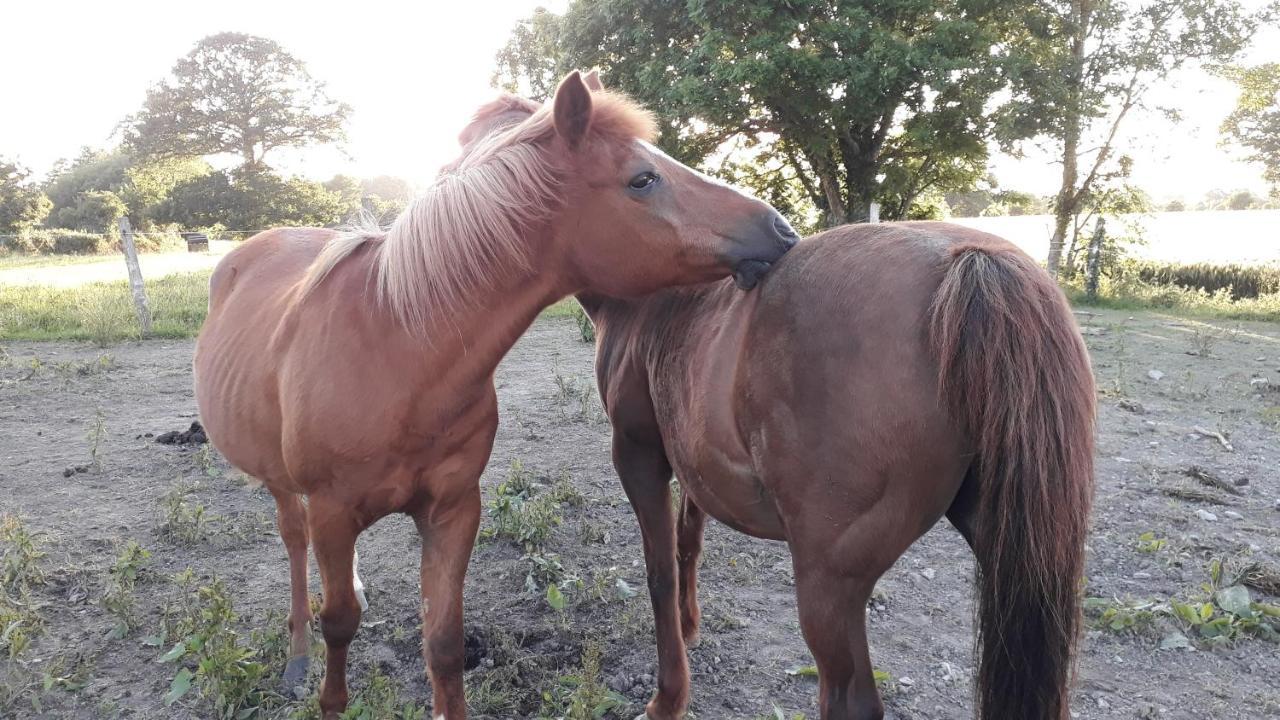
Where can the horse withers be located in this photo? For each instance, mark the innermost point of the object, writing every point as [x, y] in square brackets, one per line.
[880, 377]
[355, 370]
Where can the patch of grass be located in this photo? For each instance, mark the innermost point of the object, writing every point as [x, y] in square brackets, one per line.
[562, 309]
[118, 598]
[1134, 294]
[103, 312]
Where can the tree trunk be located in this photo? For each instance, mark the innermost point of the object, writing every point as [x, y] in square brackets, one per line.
[835, 204]
[1068, 195]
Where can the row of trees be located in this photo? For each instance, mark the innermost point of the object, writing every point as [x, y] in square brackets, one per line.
[233, 94]
[824, 106]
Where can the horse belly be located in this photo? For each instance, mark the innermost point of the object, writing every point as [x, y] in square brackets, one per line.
[729, 490]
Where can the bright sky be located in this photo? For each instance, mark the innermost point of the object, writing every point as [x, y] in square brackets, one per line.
[414, 72]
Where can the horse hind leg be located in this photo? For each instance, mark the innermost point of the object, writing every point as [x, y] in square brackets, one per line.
[833, 611]
[291, 520]
[688, 551]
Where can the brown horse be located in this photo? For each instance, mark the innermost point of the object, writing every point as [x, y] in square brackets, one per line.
[880, 377]
[356, 370]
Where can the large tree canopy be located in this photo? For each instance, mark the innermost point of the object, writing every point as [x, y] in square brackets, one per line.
[1255, 122]
[236, 94]
[837, 103]
[1084, 66]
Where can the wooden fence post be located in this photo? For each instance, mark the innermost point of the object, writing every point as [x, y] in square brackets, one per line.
[1094, 261]
[873, 213]
[135, 276]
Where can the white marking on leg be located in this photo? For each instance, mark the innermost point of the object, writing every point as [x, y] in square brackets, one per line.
[357, 583]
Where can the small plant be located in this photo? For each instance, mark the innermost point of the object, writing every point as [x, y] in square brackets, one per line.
[586, 329]
[521, 516]
[181, 521]
[21, 563]
[1203, 340]
[380, 700]
[1149, 543]
[233, 674]
[545, 569]
[779, 714]
[581, 695]
[97, 435]
[575, 396]
[1127, 616]
[206, 460]
[118, 598]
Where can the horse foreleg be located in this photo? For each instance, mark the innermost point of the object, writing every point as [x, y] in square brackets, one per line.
[333, 535]
[448, 530]
[291, 519]
[689, 550]
[646, 476]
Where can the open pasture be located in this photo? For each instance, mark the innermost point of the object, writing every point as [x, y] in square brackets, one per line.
[138, 573]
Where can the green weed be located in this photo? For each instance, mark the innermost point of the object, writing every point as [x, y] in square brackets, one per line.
[233, 674]
[182, 522]
[581, 695]
[118, 598]
[96, 436]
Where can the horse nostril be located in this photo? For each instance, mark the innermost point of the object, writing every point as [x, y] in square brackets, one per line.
[784, 229]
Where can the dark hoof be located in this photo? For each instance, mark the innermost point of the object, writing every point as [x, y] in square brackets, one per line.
[294, 682]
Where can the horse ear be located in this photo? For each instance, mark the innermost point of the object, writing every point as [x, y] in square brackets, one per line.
[572, 109]
[592, 80]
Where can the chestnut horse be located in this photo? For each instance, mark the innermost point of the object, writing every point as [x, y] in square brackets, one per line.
[355, 370]
[880, 377]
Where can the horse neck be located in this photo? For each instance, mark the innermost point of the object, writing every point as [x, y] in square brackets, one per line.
[657, 328]
[482, 331]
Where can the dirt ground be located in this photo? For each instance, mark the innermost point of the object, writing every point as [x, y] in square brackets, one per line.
[520, 648]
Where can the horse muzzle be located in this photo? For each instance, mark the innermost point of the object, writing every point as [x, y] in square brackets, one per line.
[764, 247]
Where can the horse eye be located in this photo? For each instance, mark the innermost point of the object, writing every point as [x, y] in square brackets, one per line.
[643, 181]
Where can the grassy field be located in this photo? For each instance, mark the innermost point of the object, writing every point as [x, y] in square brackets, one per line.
[103, 312]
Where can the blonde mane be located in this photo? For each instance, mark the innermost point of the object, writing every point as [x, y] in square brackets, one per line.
[465, 233]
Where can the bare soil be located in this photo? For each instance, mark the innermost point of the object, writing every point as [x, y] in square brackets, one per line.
[920, 621]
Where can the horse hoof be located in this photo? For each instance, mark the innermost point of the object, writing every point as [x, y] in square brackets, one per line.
[294, 681]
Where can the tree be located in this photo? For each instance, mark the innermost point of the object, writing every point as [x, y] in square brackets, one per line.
[139, 184]
[1088, 64]
[834, 104]
[235, 94]
[22, 205]
[252, 200]
[1255, 122]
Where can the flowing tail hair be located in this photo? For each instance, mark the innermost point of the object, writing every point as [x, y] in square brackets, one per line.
[1014, 371]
